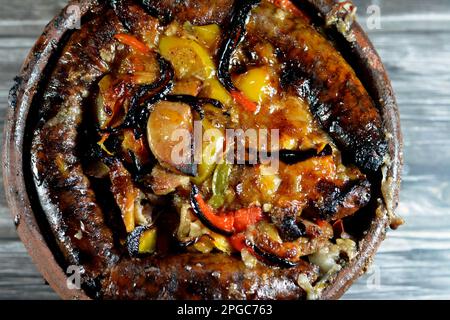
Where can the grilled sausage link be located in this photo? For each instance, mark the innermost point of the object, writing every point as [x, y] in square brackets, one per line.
[201, 276]
[199, 12]
[320, 74]
[64, 191]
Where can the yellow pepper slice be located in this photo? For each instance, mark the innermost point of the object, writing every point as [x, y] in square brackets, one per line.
[147, 241]
[187, 57]
[207, 35]
[214, 90]
[255, 84]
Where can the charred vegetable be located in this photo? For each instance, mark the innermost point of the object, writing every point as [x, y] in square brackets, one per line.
[233, 37]
[223, 224]
[220, 185]
[271, 259]
[146, 96]
[227, 223]
[142, 241]
[295, 156]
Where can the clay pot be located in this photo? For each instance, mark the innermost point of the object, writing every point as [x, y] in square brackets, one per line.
[360, 54]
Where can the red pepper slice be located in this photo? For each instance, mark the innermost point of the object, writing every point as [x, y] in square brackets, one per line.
[241, 99]
[244, 218]
[227, 223]
[321, 223]
[238, 241]
[133, 42]
[219, 223]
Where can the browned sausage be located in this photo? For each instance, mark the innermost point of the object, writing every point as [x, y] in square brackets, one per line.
[340, 202]
[200, 276]
[197, 11]
[63, 189]
[321, 75]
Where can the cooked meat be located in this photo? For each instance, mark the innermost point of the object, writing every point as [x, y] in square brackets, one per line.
[320, 74]
[64, 191]
[198, 276]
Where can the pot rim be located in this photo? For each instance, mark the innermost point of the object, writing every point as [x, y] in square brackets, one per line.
[27, 85]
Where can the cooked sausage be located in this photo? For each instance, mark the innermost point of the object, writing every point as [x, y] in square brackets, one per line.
[340, 202]
[199, 12]
[64, 191]
[320, 74]
[199, 276]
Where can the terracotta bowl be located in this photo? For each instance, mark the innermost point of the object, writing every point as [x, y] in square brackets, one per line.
[26, 91]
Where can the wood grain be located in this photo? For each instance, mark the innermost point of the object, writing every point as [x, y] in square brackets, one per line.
[414, 42]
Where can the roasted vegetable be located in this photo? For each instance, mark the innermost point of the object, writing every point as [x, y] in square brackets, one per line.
[142, 241]
[295, 156]
[213, 89]
[127, 196]
[255, 84]
[133, 42]
[233, 37]
[223, 224]
[210, 153]
[227, 223]
[208, 35]
[146, 96]
[272, 259]
[110, 99]
[188, 58]
[219, 185]
[170, 136]
[243, 218]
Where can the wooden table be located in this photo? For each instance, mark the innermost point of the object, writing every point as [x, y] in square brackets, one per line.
[414, 42]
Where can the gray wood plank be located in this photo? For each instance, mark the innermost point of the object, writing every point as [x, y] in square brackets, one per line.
[19, 278]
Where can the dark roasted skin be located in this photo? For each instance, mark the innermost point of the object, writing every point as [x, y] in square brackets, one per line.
[318, 73]
[340, 202]
[144, 98]
[199, 12]
[69, 202]
[285, 219]
[64, 191]
[196, 277]
[196, 11]
[296, 156]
